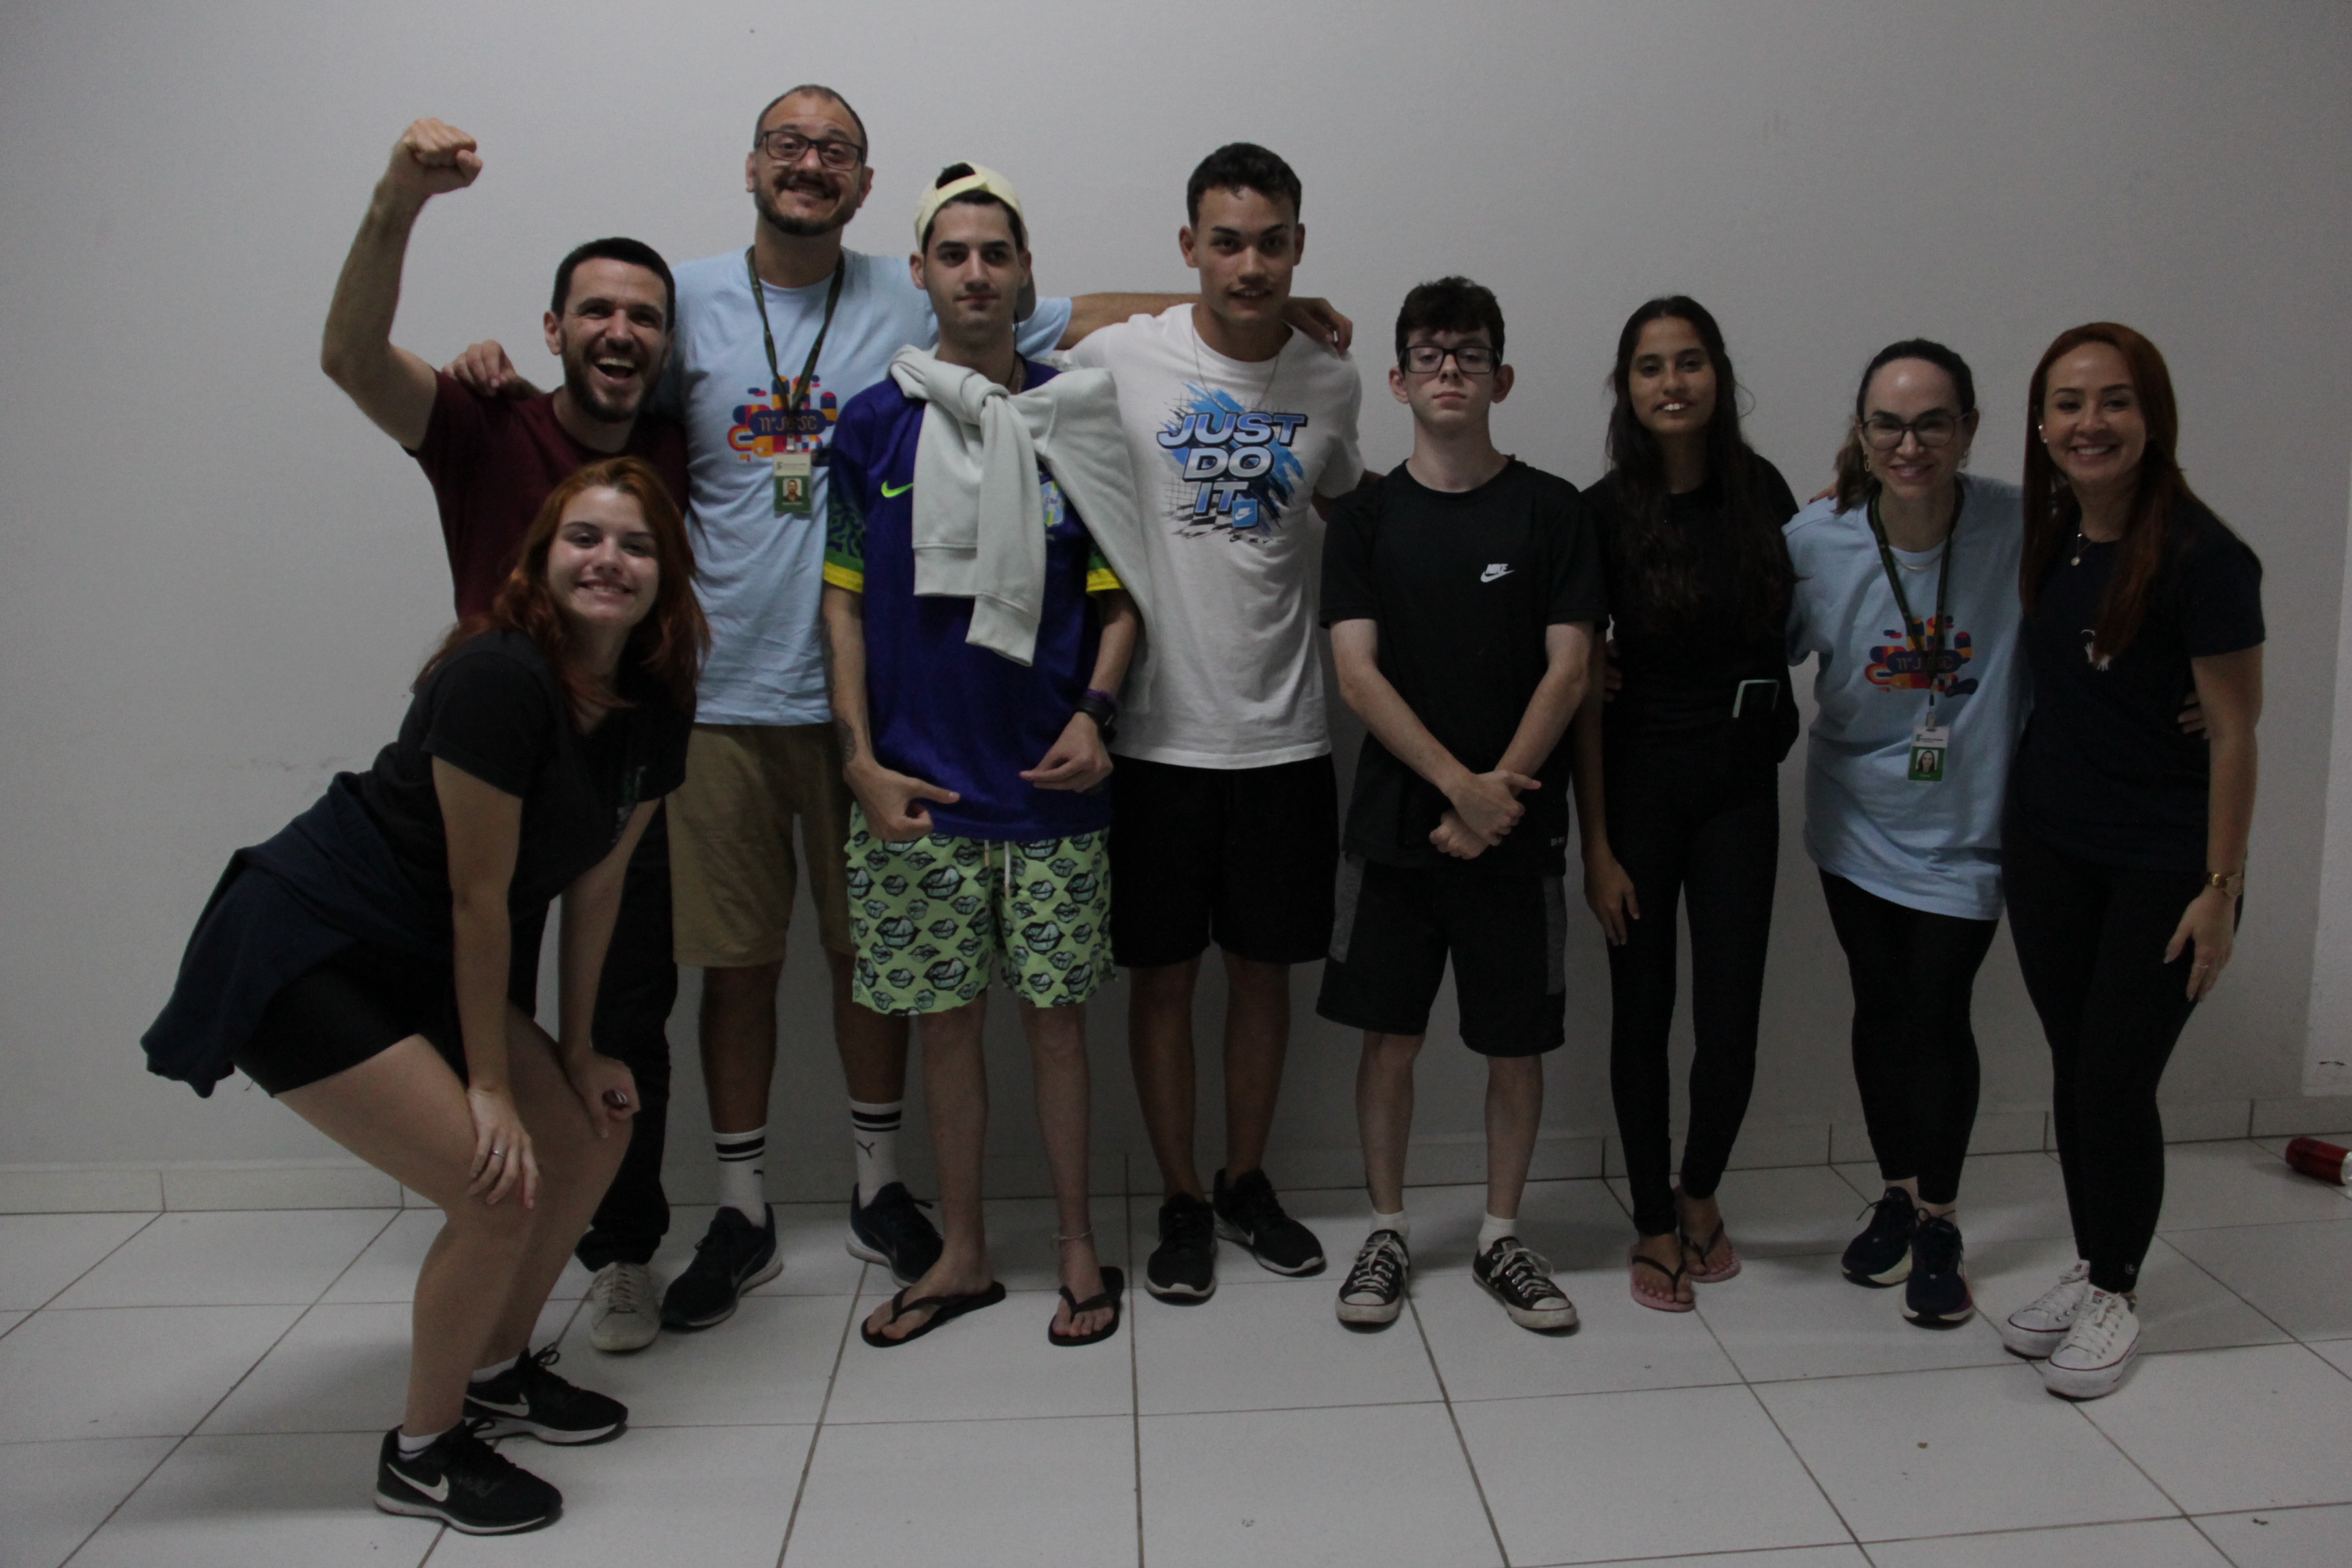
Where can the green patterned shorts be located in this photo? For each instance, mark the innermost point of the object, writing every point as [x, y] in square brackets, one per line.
[932, 918]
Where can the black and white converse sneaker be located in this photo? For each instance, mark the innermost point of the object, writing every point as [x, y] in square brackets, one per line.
[1519, 1279]
[1249, 1215]
[1183, 1266]
[465, 1483]
[529, 1399]
[1373, 1293]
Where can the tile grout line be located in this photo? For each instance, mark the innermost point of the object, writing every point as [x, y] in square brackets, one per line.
[1445, 1398]
[1134, 1357]
[227, 1394]
[98, 1263]
[817, 1432]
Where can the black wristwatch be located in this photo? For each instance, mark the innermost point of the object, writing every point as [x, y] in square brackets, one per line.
[1103, 709]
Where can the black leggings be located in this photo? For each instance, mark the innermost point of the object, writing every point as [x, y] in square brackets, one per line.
[1915, 1052]
[2090, 941]
[1701, 822]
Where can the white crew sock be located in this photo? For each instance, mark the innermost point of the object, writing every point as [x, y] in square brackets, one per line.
[495, 1370]
[411, 1447]
[874, 1128]
[743, 1173]
[1398, 1221]
[1492, 1229]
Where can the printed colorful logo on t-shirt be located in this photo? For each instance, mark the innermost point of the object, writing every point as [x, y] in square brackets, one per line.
[759, 431]
[1899, 666]
[1234, 467]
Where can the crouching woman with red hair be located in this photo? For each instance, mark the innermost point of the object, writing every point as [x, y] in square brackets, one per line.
[358, 967]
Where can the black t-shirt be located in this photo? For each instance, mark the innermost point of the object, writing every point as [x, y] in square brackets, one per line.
[497, 710]
[2104, 772]
[1682, 668]
[1463, 586]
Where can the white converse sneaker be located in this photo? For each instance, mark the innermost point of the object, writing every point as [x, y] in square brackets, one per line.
[623, 1308]
[2036, 1329]
[2097, 1349]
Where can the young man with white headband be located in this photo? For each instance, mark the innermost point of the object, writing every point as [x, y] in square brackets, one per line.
[978, 639]
[1238, 429]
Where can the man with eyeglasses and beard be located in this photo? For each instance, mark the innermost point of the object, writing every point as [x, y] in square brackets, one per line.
[493, 459]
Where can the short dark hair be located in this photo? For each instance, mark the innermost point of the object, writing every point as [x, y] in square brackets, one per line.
[819, 89]
[1450, 305]
[636, 253]
[1241, 166]
[976, 198]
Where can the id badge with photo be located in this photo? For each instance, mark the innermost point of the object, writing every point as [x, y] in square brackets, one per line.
[795, 484]
[1930, 746]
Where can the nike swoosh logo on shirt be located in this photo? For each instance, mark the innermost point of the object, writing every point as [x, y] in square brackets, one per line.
[1495, 571]
[887, 493]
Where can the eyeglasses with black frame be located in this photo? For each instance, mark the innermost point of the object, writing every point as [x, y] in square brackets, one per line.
[1934, 429]
[1470, 359]
[788, 147]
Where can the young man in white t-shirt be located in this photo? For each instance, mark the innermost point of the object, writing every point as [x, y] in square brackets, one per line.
[1226, 826]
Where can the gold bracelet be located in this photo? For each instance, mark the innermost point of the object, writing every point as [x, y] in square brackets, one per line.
[2231, 883]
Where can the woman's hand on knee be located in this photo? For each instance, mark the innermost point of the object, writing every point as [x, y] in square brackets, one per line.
[502, 1152]
[607, 1091]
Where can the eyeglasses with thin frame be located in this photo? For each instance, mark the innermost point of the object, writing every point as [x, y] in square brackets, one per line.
[1470, 359]
[1934, 430]
[788, 147]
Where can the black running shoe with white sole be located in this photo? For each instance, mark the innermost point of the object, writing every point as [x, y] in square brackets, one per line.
[733, 1256]
[1935, 1295]
[894, 1231]
[1373, 1293]
[1881, 1255]
[1514, 1275]
[1183, 1266]
[528, 1399]
[465, 1483]
[1250, 1215]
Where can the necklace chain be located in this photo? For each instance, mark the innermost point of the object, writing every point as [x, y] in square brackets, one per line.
[1201, 375]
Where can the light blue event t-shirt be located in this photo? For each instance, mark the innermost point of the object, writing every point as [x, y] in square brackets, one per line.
[760, 573]
[1933, 846]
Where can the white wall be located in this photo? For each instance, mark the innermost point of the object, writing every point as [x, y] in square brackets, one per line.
[221, 577]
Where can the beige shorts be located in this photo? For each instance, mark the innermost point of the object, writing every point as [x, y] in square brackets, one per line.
[732, 869]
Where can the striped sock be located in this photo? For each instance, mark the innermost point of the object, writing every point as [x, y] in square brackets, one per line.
[874, 1130]
[743, 1173]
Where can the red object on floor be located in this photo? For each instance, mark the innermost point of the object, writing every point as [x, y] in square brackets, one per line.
[2313, 1158]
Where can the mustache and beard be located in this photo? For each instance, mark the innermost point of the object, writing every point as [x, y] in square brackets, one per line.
[820, 185]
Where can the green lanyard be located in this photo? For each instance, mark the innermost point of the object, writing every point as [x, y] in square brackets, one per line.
[1934, 648]
[791, 400]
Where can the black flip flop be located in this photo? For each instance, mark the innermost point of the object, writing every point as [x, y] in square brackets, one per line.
[1114, 1285]
[944, 1307]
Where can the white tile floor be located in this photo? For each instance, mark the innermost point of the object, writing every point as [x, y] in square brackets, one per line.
[193, 1388]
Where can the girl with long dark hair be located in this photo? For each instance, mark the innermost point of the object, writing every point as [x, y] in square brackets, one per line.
[2125, 840]
[358, 967]
[1675, 778]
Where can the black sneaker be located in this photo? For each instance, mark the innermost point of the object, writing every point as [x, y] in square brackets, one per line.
[731, 1257]
[1183, 1266]
[1521, 1281]
[1881, 1255]
[1373, 1293]
[529, 1399]
[1249, 1214]
[465, 1484]
[1936, 1294]
[894, 1231]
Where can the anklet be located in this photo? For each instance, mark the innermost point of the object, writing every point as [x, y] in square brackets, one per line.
[1082, 1235]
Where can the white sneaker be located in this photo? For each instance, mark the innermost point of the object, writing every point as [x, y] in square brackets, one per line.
[623, 1308]
[2097, 1349]
[2033, 1330]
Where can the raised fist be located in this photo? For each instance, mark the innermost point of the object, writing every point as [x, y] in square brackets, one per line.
[431, 158]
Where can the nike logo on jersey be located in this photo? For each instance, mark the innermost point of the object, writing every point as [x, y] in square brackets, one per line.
[889, 494]
[1495, 571]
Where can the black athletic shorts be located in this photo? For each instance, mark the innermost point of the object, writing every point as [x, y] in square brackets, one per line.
[358, 1003]
[1240, 856]
[1507, 933]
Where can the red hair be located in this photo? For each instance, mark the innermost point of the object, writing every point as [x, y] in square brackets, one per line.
[668, 645]
[2053, 513]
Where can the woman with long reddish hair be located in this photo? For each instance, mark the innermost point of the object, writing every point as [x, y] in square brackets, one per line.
[358, 967]
[2125, 842]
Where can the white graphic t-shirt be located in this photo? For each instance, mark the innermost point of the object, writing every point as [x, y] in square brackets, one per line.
[760, 574]
[1228, 457]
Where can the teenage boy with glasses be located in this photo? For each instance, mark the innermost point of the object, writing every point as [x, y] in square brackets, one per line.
[1461, 593]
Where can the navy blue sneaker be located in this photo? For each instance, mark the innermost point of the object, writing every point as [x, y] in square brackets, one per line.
[732, 1257]
[1936, 1295]
[1881, 1255]
[894, 1231]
